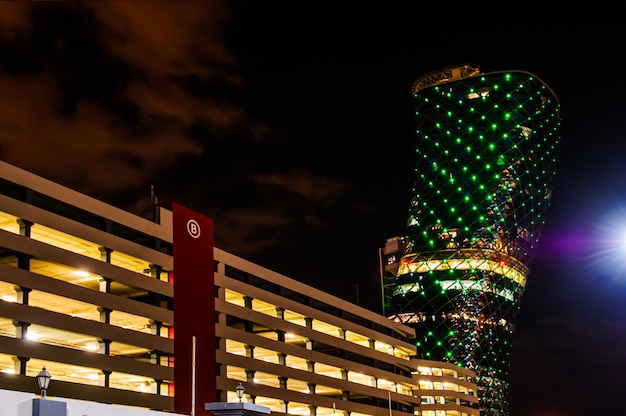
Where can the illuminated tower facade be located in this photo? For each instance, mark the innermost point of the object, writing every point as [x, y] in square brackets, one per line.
[485, 163]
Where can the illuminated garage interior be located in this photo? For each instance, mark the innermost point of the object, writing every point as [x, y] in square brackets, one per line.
[93, 304]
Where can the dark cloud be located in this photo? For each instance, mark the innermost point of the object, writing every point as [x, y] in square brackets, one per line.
[116, 136]
[113, 97]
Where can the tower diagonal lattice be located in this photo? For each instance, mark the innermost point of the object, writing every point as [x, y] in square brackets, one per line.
[485, 165]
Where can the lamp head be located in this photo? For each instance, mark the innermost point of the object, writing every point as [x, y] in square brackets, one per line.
[239, 390]
[43, 379]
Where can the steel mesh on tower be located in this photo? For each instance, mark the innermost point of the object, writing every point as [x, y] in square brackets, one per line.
[486, 148]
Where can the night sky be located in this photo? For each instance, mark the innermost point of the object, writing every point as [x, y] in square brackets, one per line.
[291, 125]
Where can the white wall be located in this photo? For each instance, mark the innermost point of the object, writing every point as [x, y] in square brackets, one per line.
[13, 403]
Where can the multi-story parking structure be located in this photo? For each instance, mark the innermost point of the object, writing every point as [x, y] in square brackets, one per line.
[145, 312]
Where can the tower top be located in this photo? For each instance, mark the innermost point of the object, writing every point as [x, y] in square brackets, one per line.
[451, 73]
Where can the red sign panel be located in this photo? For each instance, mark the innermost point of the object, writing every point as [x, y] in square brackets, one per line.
[194, 311]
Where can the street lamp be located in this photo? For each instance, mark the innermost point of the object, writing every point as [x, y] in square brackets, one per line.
[239, 390]
[43, 379]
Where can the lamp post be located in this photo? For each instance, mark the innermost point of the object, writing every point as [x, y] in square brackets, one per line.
[43, 379]
[233, 408]
[239, 390]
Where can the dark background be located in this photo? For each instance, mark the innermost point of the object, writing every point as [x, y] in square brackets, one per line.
[290, 124]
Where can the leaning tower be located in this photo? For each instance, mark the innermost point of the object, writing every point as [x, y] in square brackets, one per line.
[485, 163]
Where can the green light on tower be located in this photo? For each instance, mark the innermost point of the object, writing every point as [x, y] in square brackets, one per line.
[486, 156]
